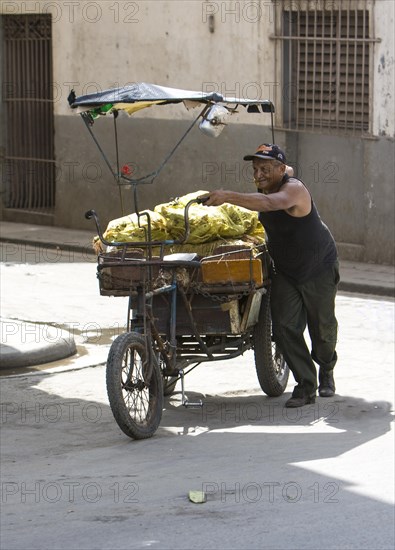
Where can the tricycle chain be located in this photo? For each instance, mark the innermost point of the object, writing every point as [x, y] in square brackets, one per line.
[219, 297]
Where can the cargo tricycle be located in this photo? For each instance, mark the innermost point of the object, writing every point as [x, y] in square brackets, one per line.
[184, 308]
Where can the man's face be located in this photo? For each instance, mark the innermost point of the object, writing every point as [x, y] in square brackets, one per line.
[267, 173]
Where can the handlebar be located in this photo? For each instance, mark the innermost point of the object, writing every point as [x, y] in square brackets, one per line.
[92, 214]
[202, 200]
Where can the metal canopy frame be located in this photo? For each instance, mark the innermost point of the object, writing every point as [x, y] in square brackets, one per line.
[138, 96]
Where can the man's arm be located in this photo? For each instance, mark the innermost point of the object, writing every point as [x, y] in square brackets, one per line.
[292, 194]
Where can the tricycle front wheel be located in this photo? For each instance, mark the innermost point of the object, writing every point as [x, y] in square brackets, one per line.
[136, 401]
[271, 368]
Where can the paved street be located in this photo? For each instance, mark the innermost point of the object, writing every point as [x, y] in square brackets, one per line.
[318, 477]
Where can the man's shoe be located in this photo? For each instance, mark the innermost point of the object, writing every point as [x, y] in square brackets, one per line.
[299, 399]
[327, 383]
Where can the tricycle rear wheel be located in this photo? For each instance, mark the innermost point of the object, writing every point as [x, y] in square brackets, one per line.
[136, 402]
[271, 368]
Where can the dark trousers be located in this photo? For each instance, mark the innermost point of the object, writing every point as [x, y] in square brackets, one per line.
[293, 306]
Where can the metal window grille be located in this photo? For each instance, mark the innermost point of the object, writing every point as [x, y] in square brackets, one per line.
[29, 168]
[326, 64]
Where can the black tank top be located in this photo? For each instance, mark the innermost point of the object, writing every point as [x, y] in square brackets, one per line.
[300, 247]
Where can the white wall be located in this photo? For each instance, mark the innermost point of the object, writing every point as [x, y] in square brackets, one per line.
[384, 70]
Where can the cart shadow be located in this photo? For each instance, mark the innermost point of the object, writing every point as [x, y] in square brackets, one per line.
[337, 424]
[328, 428]
[346, 422]
[246, 441]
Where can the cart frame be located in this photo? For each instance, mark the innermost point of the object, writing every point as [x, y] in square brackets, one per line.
[176, 320]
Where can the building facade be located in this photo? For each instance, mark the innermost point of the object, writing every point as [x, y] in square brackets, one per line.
[327, 65]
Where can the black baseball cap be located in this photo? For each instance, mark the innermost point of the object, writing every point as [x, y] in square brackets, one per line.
[268, 151]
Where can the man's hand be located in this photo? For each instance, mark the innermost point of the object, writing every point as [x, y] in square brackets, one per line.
[215, 198]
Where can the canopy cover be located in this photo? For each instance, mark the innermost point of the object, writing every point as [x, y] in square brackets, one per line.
[140, 95]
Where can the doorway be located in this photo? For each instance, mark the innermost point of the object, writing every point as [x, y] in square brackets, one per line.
[28, 132]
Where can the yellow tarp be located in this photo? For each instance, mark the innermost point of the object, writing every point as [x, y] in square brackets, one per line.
[208, 224]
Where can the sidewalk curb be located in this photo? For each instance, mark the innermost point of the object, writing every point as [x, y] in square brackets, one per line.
[69, 247]
[30, 344]
[361, 288]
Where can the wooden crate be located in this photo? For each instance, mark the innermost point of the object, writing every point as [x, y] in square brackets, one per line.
[232, 271]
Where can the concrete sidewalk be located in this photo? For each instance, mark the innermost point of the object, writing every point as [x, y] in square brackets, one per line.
[355, 277]
[47, 236]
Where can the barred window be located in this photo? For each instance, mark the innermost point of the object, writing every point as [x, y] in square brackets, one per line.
[326, 64]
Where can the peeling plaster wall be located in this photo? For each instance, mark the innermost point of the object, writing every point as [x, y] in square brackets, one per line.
[384, 70]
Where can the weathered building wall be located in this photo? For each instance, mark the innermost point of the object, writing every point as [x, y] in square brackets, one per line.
[352, 183]
[224, 46]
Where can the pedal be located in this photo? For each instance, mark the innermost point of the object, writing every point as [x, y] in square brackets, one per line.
[184, 400]
[193, 405]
